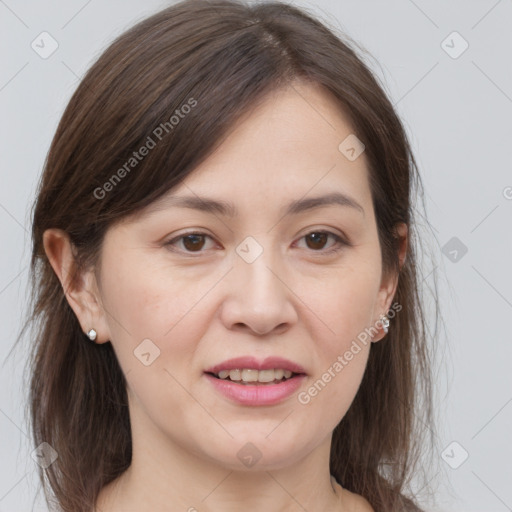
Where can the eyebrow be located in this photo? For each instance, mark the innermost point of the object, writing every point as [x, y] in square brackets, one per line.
[228, 209]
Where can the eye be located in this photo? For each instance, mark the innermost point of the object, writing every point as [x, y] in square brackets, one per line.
[192, 242]
[316, 240]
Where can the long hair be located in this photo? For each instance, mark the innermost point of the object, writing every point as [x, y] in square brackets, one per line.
[207, 63]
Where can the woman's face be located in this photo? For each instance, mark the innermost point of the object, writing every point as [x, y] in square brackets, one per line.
[266, 278]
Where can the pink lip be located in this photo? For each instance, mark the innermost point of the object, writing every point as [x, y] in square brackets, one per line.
[257, 394]
[248, 362]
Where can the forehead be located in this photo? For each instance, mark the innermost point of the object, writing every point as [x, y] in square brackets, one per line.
[285, 152]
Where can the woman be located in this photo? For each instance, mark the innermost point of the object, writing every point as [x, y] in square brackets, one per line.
[224, 275]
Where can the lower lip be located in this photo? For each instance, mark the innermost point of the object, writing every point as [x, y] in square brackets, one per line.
[263, 394]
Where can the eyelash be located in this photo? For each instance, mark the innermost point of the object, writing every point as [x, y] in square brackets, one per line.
[339, 246]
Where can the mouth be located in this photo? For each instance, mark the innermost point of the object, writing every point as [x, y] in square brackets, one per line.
[252, 382]
[254, 377]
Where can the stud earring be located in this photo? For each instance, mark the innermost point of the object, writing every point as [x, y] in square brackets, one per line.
[92, 334]
[385, 323]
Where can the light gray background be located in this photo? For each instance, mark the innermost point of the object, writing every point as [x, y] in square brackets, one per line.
[457, 113]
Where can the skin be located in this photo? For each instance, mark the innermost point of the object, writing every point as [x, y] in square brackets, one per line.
[207, 305]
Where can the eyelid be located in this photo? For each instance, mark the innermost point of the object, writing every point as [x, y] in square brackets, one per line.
[177, 238]
[341, 242]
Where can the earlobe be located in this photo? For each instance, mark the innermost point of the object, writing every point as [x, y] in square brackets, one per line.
[78, 288]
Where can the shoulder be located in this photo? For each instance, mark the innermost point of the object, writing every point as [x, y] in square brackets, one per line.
[355, 502]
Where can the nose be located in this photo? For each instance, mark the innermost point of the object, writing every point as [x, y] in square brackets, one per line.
[258, 299]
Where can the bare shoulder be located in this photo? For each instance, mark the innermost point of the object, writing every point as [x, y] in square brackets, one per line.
[355, 502]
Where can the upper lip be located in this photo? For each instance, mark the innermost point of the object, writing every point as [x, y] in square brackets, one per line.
[250, 362]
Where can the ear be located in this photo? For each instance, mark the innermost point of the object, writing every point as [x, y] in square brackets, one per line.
[81, 290]
[390, 282]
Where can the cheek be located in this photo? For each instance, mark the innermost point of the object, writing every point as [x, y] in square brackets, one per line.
[149, 300]
[343, 303]
[155, 323]
[150, 311]
[342, 359]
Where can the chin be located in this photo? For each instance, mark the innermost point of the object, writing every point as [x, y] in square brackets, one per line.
[259, 453]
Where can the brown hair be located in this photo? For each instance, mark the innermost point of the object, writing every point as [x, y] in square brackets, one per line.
[226, 57]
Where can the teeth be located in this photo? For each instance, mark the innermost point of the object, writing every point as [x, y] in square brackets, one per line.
[266, 375]
[250, 375]
[235, 375]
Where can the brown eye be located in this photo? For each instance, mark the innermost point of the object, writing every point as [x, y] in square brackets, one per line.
[318, 239]
[191, 243]
[315, 241]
